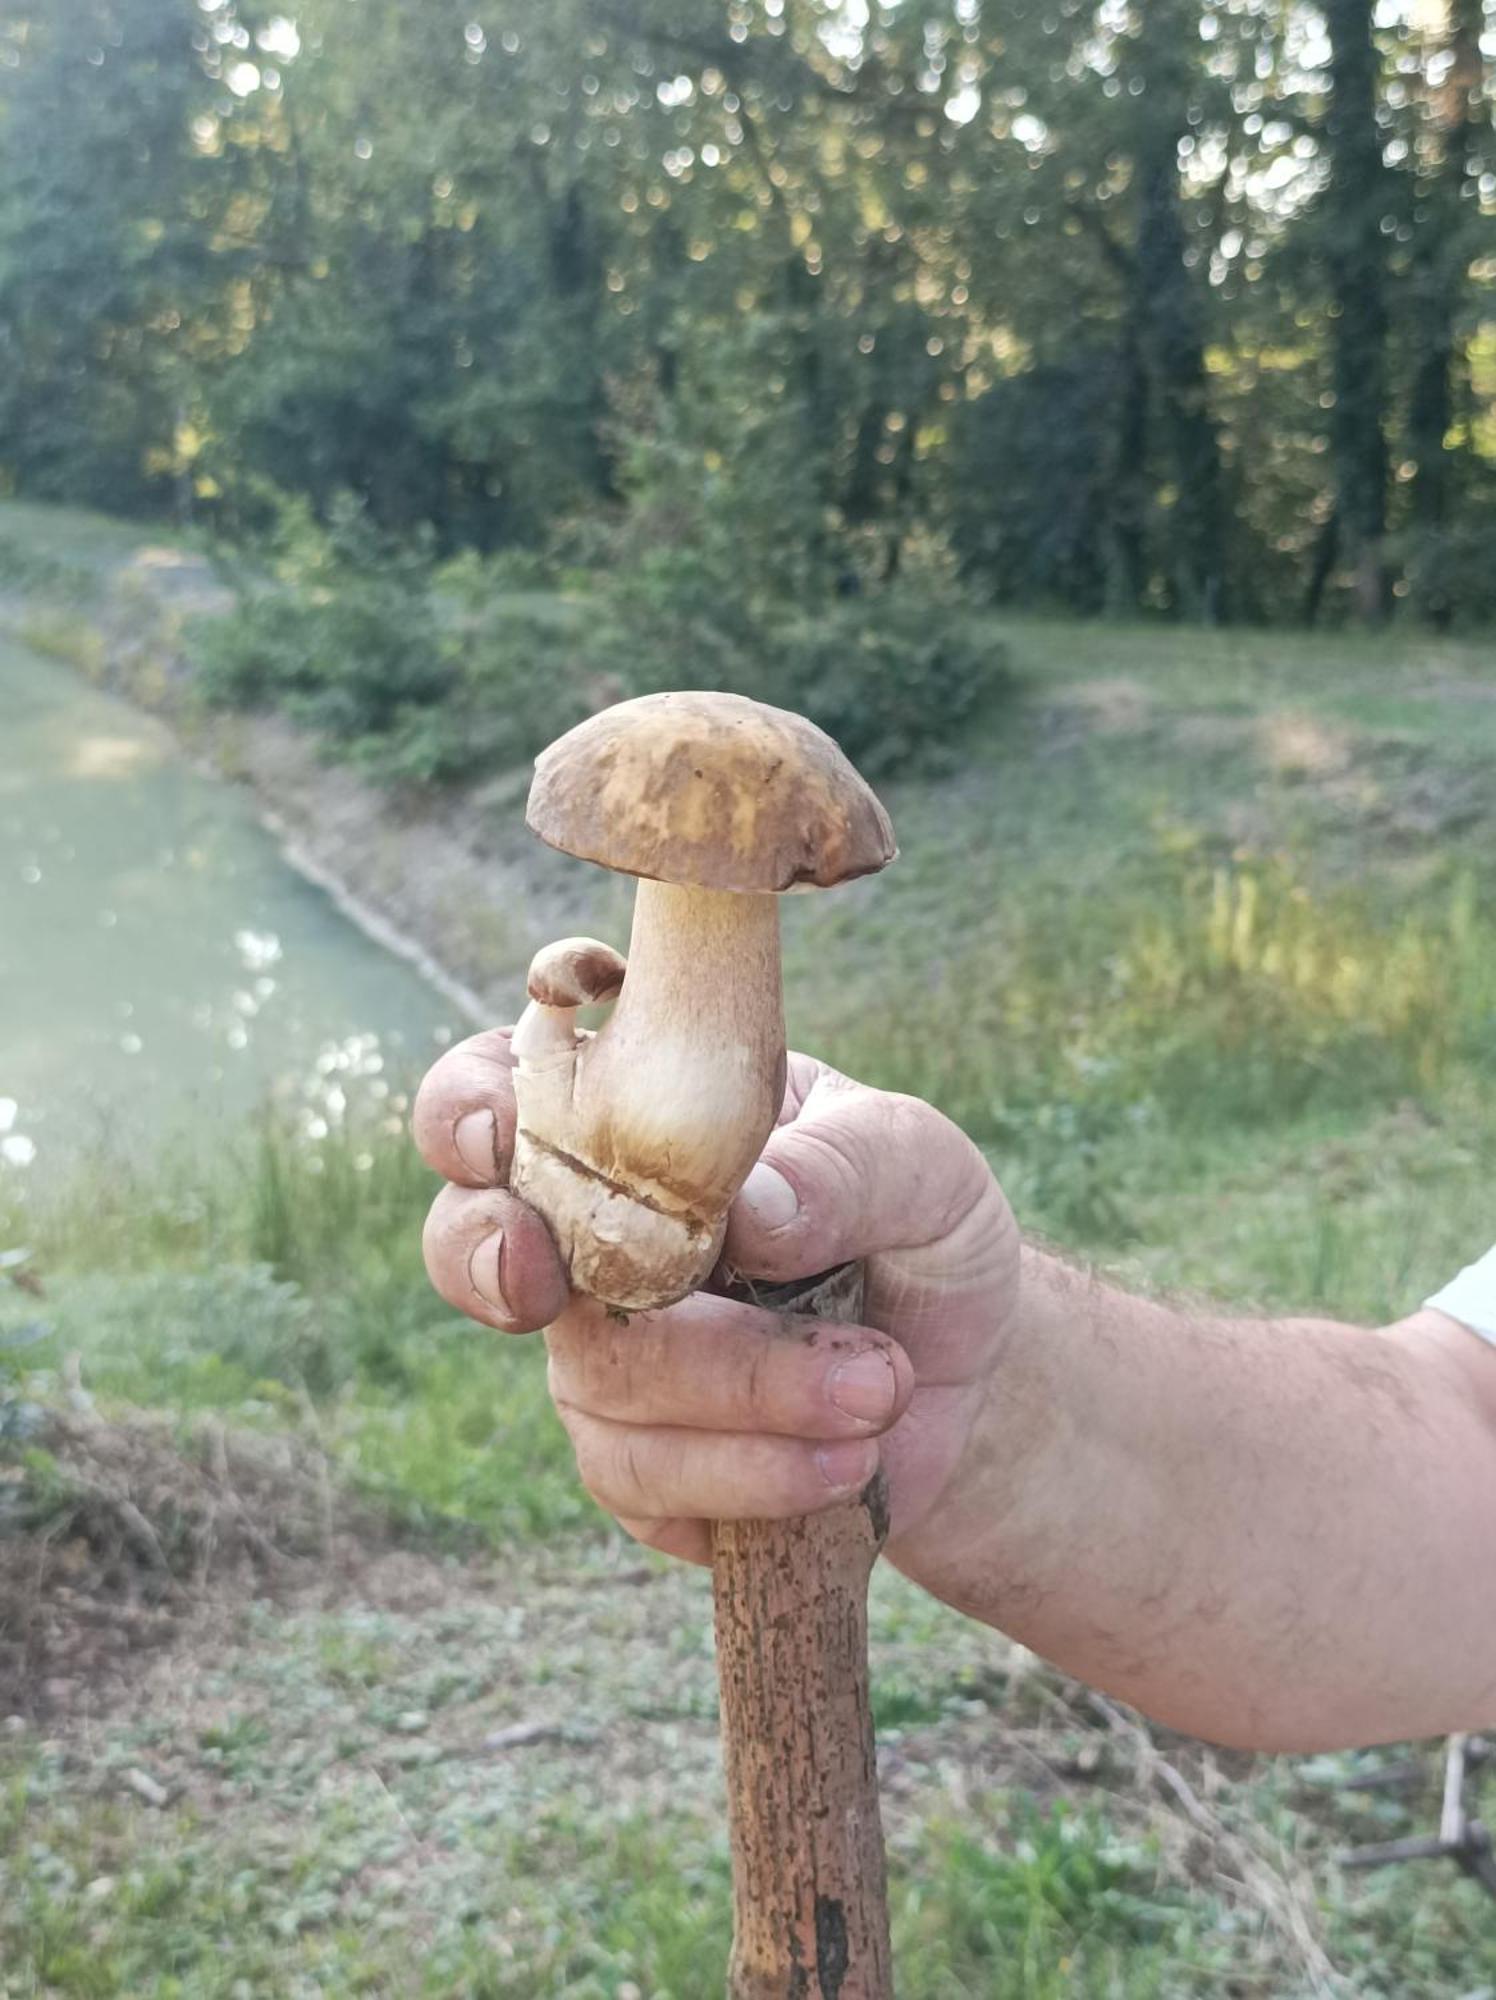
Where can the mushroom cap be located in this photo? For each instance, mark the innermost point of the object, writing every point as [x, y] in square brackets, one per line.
[709, 791]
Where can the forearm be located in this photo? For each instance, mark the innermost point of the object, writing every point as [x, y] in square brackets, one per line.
[1275, 1534]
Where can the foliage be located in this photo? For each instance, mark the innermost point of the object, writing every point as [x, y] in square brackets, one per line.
[417, 684]
[1159, 308]
[423, 676]
[894, 677]
[1040, 533]
[107, 281]
[704, 589]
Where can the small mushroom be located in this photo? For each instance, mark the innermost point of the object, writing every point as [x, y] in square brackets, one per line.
[633, 1142]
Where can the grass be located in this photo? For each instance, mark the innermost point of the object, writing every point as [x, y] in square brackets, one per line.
[1017, 1904]
[287, 1277]
[1199, 942]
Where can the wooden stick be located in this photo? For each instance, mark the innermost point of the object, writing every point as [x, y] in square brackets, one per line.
[810, 1902]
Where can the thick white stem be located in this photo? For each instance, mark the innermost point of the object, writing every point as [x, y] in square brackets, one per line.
[635, 1162]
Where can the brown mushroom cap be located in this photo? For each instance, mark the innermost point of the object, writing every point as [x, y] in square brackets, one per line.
[709, 791]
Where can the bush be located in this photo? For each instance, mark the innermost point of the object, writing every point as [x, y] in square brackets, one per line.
[519, 680]
[423, 676]
[346, 660]
[416, 681]
[1450, 575]
[894, 678]
[730, 573]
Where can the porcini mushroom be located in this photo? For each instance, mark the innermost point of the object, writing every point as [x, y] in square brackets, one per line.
[634, 1142]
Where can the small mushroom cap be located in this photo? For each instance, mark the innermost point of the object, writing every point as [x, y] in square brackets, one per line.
[709, 791]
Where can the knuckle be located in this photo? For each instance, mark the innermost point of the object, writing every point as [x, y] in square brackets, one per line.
[633, 1483]
[441, 1248]
[602, 1373]
[591, 1462]
[787, 1484]
[756, 1395]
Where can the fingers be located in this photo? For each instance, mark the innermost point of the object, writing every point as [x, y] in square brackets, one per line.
[656, 1473]
[492, 1257]
[463, 1121]
[711, 1410]
[711, 1365]
[859, 1172]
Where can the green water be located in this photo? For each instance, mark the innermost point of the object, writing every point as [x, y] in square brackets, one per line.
[159, 961]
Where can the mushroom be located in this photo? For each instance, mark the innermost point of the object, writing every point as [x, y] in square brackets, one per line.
[632, 1143]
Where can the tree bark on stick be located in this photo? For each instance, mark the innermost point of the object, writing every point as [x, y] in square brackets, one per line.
[810, 1906]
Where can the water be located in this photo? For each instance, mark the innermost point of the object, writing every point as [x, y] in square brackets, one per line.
[159, 961]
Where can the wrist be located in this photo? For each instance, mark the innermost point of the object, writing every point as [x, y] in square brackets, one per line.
[1005, 1457]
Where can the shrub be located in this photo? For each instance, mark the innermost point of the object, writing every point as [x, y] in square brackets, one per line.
[894, 677]
[393, 674]
[517, 682]
[347, 660]
[731, 574]
[424, 677]
[1449, 573]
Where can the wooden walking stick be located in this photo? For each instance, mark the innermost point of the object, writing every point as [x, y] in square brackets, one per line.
[632, 1144]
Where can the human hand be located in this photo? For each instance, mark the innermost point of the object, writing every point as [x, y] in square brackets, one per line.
[699, 1412]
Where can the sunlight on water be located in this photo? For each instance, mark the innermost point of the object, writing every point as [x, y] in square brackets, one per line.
[158, 959]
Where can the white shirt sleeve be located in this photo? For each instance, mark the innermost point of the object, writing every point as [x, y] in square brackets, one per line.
[1471, 1297]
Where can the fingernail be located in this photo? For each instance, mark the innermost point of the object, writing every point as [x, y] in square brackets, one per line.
[485, 1270]
[476, 1140]
[864, 1387]
[773, 1201]
[846, 1466]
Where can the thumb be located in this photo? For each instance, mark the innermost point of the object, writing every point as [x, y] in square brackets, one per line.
[862, 1173]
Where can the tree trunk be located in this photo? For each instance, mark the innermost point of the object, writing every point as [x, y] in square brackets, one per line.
[1321, 567]
[1127, 481]
[1355, 254]
[810, 1912]
[1171, 311]
[1442, 252]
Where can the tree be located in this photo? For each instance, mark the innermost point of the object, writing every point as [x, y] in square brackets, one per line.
[1355, 254]
[1117, 302]
[1449, 226]
[106, 269]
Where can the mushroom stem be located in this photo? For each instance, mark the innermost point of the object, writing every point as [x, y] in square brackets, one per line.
[692, 1064]
[634, 1146]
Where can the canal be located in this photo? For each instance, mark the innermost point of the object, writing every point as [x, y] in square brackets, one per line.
[159, 959]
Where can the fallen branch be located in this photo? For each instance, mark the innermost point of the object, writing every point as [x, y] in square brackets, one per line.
[1460, 1839]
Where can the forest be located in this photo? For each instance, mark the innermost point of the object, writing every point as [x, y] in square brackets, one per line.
[1183, 310]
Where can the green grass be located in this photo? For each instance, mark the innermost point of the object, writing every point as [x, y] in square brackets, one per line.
[998, 1897]
[286, 1276]
[67, 550]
